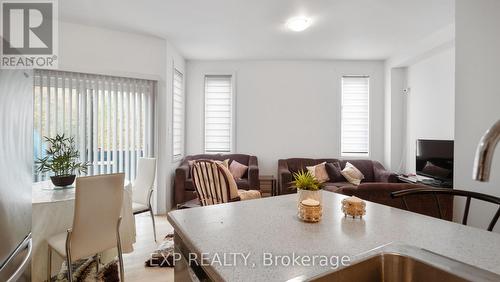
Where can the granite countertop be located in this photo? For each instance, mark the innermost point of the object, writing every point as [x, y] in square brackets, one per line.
[270, 226]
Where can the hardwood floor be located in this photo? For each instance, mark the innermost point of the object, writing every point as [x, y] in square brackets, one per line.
[134, 262]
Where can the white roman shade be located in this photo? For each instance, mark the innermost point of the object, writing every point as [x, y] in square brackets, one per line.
[218, 114]
[110, 118]
[355, 116]
[178, 116]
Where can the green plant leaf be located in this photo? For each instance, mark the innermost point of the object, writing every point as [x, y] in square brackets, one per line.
[62, 157]
[306, 181]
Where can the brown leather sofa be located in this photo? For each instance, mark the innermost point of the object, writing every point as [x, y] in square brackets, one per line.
[183, 183]
[376, 187]
[381, 193]
[372, 170]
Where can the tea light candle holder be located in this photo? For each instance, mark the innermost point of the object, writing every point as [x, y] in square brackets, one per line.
[353, 206]
[310, 210]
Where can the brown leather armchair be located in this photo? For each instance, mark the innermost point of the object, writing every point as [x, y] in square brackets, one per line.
[183, 183]
[372, 170]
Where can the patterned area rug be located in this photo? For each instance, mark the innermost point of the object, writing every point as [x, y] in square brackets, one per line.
[85, 270]
[164, 255]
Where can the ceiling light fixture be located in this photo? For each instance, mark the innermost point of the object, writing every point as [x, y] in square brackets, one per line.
[298, 23]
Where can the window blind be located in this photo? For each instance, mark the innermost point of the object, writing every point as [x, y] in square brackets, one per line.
[110, 118]
[178, 116]
[355, 115]
[218, 113]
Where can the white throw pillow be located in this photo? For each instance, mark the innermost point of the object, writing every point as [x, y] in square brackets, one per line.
[352, 174]
[319, 172]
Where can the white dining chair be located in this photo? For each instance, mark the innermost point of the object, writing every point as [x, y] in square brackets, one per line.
[142, 188]
[96, 222]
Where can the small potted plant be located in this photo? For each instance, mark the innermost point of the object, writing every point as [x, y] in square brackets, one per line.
[309, 196]
[62, 159]
[308, 187]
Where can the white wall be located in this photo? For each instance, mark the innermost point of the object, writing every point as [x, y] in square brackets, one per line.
[286, 108]
[477, 97]
[167, 166]
[430, 104]
[395, 118]
[97, 50]
[430, 51]
[102, 51]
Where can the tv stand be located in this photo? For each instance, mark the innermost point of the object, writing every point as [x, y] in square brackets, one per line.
[425, 181]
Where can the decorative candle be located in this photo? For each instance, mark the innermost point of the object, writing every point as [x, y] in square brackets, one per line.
[310, 210]
[353, 206]
[310, 202]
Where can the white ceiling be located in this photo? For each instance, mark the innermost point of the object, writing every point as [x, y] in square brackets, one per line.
[255, 29]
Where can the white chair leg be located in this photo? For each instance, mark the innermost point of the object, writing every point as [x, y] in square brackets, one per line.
[153, 219]
[49, 263]
[68, 256]
[97, 260]
[70, 270]
[150, 197]
[119, 247]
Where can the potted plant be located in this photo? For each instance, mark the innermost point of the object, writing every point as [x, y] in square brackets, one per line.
[309, 203]
[62, 159]
[308, 187]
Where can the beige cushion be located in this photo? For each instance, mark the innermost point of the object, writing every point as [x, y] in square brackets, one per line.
[233, 188]
[224, 162]
[352, 174]
[249, 194]
[237, 169]
[319, 172]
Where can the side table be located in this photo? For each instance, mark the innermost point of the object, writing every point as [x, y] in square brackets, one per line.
[268, 185]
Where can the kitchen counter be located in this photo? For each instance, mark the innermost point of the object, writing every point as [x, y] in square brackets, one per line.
[258, 228]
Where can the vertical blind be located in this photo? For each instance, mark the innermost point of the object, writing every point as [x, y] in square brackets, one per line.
[178, 116]
[355, 115]
[110, 118]
[218, 113]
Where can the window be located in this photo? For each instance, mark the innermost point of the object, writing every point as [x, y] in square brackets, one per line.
[110, 118]
[355, 121]
[218, 114]
[178, 116]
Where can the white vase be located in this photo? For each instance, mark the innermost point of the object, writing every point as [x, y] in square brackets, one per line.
[308, 194]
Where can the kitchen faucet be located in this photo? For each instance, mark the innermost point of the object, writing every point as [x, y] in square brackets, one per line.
[484, 153]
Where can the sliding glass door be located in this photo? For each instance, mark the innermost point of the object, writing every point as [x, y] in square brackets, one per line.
[110, 118]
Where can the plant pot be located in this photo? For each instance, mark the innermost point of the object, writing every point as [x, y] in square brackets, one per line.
[63, 180]
[308, 194]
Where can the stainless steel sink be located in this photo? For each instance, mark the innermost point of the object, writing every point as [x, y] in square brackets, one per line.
[406, 263]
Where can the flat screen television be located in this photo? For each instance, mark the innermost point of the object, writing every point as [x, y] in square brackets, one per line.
[435, 159]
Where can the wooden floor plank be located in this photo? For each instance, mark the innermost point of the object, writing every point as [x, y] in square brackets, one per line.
[145, 244]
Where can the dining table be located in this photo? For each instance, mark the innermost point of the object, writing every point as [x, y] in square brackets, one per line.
[52, 213]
